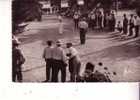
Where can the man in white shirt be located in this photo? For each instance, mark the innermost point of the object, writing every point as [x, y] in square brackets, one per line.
[74, 62]
[48, 56]
[83, 26]
[59, 63]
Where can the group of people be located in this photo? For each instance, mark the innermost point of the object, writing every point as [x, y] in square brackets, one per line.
[98, 19]
[57, 60]
[129, 27]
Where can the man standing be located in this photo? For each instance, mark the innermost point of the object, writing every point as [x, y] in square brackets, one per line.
[48, 56]
[125, 25]
[74, 62]
[76, 20]
[59, 63]
[83, 25]
[131, 25]
[17, 61]
[136, 25]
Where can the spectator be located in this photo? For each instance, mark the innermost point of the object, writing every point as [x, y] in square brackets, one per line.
[93, 21]
[131, 25]
[17, 61]
[119, 26]
[136, 25]
[59, 63]
[125, 25]
[76, 20]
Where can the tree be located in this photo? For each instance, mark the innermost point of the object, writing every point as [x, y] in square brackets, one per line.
[24, 10]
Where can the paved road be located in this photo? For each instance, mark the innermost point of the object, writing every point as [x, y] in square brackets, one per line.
[121, 55]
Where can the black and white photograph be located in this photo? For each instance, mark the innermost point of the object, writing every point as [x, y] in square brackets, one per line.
[75, 41]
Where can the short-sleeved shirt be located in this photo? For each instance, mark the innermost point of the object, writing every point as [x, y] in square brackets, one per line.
[83, 24]
[59, 54]
[48, 52]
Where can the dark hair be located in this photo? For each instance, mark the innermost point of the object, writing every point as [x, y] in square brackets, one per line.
[124, 15]
[69, 44]
[49, 42]
[100, 64]
[90, 66]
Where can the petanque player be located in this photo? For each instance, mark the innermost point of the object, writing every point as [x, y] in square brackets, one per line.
[83, 26]
[59, 63]
[48, 56]
[74, 62]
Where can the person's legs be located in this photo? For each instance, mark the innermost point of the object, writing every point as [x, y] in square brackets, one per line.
[63, 74]
[55, 70]
[19, 75]
[76, 24]
[47, 70]
[130, 31]
[136, 31]
[81, 36]
[71, 70]
[13, 75]
[84, 37]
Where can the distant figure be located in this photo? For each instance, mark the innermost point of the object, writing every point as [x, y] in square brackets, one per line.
[48, 56]
[17, 61]
[113, 22]
[61, 27]
[59, 63]
[136, 26]
[131, 25]
[83, 26]
[76, 20]
[93, 21]
[125, 25]
[119, 26]
[74, 62]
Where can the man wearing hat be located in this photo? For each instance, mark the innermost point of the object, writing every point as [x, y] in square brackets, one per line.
[17, 61]
[59, 63]
[74, 62]
[83, 26]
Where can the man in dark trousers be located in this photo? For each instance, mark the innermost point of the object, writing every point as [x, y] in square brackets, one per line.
[125, 24]
[76, 20]
[83, 26]
[59, 63]
[74, 62]
[48, 56]
[131, 25]
[136, 25]
[17, 61]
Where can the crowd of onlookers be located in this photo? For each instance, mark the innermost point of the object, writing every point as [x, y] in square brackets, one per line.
[101, 20]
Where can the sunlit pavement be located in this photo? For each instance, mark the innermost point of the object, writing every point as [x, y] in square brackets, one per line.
[120, 55]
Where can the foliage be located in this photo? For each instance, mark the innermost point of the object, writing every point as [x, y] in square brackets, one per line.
[24, 10]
